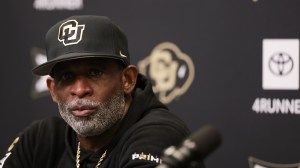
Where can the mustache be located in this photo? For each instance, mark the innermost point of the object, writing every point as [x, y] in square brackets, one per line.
[81, 103]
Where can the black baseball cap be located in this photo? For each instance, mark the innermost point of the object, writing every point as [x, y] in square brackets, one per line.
[84, 36]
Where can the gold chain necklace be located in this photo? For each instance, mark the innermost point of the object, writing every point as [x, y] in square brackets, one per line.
[78, 157]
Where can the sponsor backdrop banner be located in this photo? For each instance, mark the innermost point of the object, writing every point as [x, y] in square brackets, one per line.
[232, 64]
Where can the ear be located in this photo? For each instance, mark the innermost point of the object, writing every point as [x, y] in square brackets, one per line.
[51, 87]
[129, 78]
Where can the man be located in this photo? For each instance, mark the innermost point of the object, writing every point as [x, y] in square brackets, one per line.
[110, 115]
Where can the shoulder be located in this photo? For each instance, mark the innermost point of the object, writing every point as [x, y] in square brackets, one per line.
[39, 132]
[43, 129]
[158, 127]
[47, 124]
[163, 118]
[42, 132]
[37, 141]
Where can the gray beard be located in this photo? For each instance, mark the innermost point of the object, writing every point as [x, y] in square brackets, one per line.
[107, 114]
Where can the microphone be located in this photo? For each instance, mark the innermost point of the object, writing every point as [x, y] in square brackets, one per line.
[194, 148]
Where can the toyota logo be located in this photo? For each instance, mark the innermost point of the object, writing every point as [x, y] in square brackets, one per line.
[281, 64]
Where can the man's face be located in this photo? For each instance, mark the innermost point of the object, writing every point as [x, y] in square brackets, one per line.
[89, 94]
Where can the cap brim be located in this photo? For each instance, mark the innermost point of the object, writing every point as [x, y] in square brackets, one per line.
[45, 68]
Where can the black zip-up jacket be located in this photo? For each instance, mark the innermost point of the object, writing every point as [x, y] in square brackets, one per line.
[147, 129]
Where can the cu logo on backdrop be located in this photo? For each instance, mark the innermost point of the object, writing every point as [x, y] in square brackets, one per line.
[281, 64]
[70, 32]
[170, 70]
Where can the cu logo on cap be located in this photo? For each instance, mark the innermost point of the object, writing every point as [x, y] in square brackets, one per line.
[70, 32]
[281, 64]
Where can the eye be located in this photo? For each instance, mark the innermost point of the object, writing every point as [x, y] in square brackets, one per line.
[66, 76]
[95, 72]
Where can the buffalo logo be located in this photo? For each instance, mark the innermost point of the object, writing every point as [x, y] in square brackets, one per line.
[70, 32]
[281, 64]
[171, 71]
[257, 163]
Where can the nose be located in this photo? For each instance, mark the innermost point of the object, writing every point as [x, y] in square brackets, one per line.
[81, 87]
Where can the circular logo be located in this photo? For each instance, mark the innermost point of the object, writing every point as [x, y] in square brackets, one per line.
[281, 64]
[170, 70]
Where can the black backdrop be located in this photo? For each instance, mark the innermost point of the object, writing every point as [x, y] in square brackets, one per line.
[224, 40]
